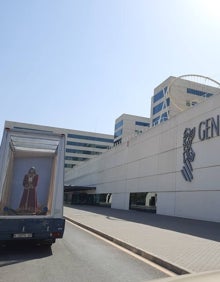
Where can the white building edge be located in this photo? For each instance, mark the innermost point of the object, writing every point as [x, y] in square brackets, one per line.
[183, 173]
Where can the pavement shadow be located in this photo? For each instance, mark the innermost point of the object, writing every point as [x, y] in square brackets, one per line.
[16, 252]
[199, 228]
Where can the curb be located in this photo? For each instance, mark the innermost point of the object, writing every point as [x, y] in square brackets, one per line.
[170, 266]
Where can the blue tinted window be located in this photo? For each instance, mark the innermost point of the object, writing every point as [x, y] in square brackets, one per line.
[161, 106]
[119, 124]
[140, 123]
[118, 133]
[159, 95]
[69, 165]
[164, 117]
[158, 108]
[198, 92]
[160, 119]
[156, 120]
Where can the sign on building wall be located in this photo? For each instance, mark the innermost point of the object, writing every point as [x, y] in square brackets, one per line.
[206, 129]
[188, 153]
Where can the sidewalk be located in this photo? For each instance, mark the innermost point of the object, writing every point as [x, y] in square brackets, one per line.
[181, 245]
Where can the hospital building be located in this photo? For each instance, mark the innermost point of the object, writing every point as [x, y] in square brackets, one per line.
[168, 163]
[172, 168]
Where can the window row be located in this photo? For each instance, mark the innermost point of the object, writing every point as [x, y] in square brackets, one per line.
[33, 129]
[87, 145]
[86, 152]
[100, 139]
[68, 158]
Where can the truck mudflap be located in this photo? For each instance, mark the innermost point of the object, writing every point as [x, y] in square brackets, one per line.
[45, 229]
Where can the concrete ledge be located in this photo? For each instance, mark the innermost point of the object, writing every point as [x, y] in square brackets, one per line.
[170, 266]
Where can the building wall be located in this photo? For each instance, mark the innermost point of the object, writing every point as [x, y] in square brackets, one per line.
[152, 162]
[80, 145]
[127, 126]
[176, 95]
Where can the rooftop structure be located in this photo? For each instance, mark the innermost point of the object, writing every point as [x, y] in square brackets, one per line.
[127, 126]
[177, 94]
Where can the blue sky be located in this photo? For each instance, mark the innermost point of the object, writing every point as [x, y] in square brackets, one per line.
[81, 64]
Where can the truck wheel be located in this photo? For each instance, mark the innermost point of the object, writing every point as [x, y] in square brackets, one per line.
[48, 242]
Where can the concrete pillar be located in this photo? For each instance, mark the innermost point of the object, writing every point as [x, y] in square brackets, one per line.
[120, 201]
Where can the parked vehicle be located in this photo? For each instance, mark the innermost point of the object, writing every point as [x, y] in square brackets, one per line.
[31, 185]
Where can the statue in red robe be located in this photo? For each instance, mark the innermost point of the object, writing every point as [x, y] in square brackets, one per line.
[29, 198]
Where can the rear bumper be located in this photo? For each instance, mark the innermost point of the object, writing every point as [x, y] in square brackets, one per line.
[31, 229]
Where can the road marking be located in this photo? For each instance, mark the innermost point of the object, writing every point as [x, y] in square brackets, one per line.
[162, 269]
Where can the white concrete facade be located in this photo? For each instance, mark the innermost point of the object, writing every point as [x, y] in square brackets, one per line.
[80, 145]
[127, 126]
[152, 162]
[177, 94]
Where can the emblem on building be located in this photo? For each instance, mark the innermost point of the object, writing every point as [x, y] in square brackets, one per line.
[188, 153]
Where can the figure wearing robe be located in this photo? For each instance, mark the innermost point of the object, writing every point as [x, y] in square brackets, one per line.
[28, 201]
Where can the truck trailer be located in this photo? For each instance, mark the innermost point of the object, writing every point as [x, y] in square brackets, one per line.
[31, 186]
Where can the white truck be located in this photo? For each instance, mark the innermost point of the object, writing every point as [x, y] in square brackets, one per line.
[31, 186]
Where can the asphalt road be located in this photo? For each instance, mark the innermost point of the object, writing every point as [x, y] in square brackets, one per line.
[78, 257]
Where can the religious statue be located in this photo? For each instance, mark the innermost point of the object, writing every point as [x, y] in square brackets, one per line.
[29, 198]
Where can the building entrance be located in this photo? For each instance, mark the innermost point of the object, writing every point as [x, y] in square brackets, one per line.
[144, 201]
